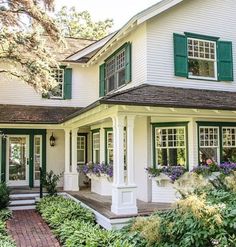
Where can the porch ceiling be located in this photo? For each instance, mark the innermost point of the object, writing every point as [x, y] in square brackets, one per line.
[22, 114]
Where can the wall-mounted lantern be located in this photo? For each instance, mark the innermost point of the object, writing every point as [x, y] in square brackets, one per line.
[52, 140]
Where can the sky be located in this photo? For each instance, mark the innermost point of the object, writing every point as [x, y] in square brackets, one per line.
[118, 10]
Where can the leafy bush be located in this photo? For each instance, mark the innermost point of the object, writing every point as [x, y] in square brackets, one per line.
[206, 217]
[56, 210]
[4, 196]
[5, 240]
[50, 182]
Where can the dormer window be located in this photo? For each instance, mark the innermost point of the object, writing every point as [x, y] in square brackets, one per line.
[115, 72]
[57, 91]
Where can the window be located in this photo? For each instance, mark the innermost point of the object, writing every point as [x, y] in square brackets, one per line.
[217, 142]
[57, 91]
[209, 144]
[96, 147]
[81, 149]
[116, 71]
[170, 146]
[202, 59]
[37, 156]
[229, 144]
[109, 147]
[63, 89]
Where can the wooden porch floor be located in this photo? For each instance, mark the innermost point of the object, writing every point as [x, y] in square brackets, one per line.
[102, 204]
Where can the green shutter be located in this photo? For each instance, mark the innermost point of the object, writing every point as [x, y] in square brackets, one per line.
[128, 63]
[68, 83]
[180, 55]
[225, 61]
[102, 84]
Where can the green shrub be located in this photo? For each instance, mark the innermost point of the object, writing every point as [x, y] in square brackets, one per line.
[4, 196]
[5, 240]
[50, 182]
[56, 210]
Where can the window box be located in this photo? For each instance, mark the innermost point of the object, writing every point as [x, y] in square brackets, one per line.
[101, 185]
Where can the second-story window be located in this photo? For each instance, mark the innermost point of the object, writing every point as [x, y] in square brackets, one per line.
[115, 71]
[57, 91]
[202, 59]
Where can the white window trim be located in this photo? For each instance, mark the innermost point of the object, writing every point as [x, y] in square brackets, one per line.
[95, 149]
[80, 149]
[62, 91]
[218, 139]
[115, 73]
[204, 59]
[167, 147]
[228, 146]
[36, 181]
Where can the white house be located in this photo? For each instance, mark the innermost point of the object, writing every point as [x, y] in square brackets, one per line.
[161, 91]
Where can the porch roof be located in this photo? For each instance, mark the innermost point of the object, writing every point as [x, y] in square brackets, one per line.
[151, 95]
[35, 114]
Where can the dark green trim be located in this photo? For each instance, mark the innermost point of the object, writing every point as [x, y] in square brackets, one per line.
[106, 130]
[31, 133]
[201, 36]
[170, 124]
[116, 51]
[3, 160]
[221, 125]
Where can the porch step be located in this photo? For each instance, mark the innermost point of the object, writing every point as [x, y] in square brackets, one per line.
[22, 201]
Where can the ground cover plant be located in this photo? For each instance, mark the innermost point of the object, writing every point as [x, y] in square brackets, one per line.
[5, 240]
[204, 217]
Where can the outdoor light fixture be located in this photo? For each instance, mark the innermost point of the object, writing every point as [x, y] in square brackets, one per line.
[3, 135]
[52, 140]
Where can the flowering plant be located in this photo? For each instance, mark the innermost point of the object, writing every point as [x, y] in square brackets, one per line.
[98, 169]
[206, 169]
[173, 172]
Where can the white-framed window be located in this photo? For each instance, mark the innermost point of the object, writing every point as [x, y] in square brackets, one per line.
[109, 147]
[202, 59]
[115, 71]
[81, 149]
[37, 156]
[96, 147]
[57, 92]
[229, 144]
[209, 146]
[170, 146]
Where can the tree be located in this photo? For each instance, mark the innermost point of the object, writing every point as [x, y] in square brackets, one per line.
[24, 29]
[80, 25]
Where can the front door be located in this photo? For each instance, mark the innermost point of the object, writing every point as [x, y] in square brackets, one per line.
[17, 160]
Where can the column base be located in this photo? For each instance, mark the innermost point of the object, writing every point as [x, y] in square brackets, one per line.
[124, 200]
[71, 181]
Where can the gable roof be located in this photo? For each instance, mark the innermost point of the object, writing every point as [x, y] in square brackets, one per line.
[136, 20]
[23, 114]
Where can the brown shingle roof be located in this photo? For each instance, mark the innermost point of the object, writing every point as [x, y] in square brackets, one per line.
[73, 45]
[150, 95]
[35, 114]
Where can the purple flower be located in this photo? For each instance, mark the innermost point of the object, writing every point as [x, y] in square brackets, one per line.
[98, 169]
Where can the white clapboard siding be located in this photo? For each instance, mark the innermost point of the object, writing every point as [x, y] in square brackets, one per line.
[209, 17]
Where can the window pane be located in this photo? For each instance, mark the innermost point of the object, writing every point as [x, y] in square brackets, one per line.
[58, 75]
[111, 83]
[201, 68]
[80, 156]
[121, 77]
[229, 154]
[208, 153]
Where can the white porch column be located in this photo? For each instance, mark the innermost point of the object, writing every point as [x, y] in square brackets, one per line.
[130, 150]
[192, 144]
[71, 176]
[123, 196]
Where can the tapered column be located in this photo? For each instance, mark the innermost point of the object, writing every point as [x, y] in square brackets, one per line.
[130, 150]
[74, 150]
[102, 145]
